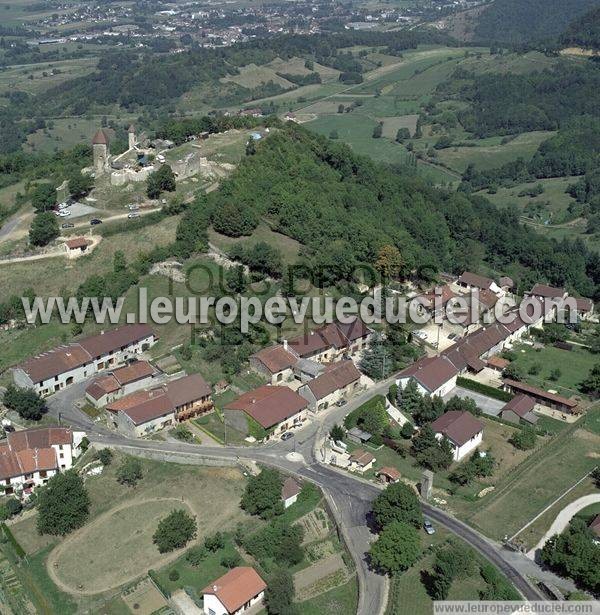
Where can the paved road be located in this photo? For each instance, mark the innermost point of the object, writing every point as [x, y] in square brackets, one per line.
[487, 404]
[350, 497]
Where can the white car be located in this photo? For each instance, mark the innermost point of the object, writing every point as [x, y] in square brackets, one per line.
[133, 214]
[64, 213]
[133, 206]
[62, 206]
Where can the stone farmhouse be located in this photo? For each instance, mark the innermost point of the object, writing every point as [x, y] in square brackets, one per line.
[56, 369]
[29, 458]
[300, 357]
[338, 381]
[143, 412]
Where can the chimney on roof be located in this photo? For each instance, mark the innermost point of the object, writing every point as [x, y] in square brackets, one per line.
[102, 332]
[215, 588]
[285, 344]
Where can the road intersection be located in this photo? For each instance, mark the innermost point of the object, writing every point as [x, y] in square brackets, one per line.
[349, 497]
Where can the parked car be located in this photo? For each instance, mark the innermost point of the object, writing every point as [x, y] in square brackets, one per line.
[133, 214]
[287, 435]
[8, 428]
[452, 336]
[63, 205]
[341, 402]
[428, 527]
[95, 221]
[67, 225]
[63, 213]
[133, 206]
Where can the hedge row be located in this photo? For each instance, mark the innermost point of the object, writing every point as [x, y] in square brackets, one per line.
[130, 224]
[484, 389]
[163, 590]
[18, 549]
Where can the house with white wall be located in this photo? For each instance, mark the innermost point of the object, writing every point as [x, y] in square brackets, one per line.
[290, 490]
[235, 592]
[29, 458]
[462, 429]
[56, 369]
[120, 382]
[435, 376]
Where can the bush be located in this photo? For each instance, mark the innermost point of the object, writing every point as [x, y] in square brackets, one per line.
[130, 471]
[105, 456]
[524, 439]
[230, 561]
[63, 504]
[13, 506]
[196, 555]
[484, 389]
[174, 531]
[215, 542]
[25, 402]
[173, 575]
[262, 496]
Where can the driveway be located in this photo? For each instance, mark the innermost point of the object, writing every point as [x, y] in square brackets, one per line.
[562, 519]
[488, 405]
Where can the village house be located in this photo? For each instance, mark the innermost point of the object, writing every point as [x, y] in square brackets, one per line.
[275, 362]
[235, 592]
[520, 410]
[29, 458]
[143, 412]
[462, 429]
[290, 491]
[472, 281]
[56, 369]
[361, 461]
[337, 382]
[435, 376]
[275, 409]
[585, 308]
[120, 382]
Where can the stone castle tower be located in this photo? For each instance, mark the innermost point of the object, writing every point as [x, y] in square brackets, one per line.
[131, 136]
[101, 152]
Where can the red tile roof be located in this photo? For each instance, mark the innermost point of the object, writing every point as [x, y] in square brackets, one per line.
[472, 279]
[30, 450]
[269, 405]
[187, 389]
[497, 362]
[336, 376]
[458, 426]
[334, 335]
[362, 457]
[390, 472]
[133, 372]
[520, 404]
[77, 242]
[430, 372]
[100, 138]
[99, 387]
[65, 358]
[275, 358]
[236, 587]
[548, 292]
[523, 387]
[584, 305]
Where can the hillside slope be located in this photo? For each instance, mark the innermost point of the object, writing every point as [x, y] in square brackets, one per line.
[526, 21]
[584, 31]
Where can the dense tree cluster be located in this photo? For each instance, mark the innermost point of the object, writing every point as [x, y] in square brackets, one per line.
[25, 402]
[63, 504]
[574, 554]
[174, 531]
[585, 31]
[262, 495]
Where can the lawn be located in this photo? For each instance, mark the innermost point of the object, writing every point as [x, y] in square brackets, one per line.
[535, 483]
[218, 429]
[117, 540]
[341, 599]
[538, 365]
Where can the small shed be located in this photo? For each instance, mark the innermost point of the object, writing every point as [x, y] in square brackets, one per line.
[290, 491]
[388, 475]
[359, 436]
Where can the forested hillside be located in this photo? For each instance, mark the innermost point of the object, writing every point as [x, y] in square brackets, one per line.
[344, 208]
[585, 31]
[516, 22]
[507, 103]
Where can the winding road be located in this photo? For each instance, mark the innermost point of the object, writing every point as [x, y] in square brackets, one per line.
[350, 497]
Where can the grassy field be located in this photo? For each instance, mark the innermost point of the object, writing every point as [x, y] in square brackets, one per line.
[116, 543]
[341, 599]
[288, 247]
[252, 76]
[574, 366]
[549, 207]
[536, 483]
[485, 156]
